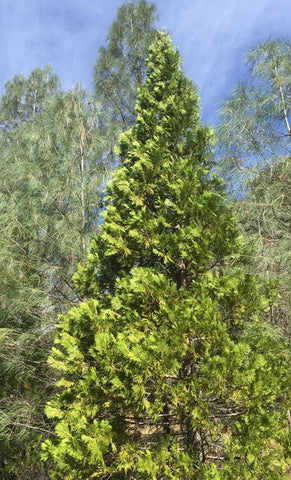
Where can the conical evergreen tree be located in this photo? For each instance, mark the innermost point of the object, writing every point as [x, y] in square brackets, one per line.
[165, 370]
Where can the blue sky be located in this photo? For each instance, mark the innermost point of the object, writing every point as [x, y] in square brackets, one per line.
[212, 36]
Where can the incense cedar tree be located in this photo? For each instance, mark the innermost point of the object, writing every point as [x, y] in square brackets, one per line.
[166, 370]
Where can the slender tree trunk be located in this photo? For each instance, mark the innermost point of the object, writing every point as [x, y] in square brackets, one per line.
[283, 102]
[83, 210]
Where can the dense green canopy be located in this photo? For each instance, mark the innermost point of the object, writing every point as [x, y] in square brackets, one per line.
[165, 369]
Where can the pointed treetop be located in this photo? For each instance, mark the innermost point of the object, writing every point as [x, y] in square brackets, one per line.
[162, 195]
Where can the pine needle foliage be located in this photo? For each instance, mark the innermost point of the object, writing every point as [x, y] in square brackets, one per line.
[120, 68]
[254, 131]
[165, 370]
[24, 375]
[255, 139]
[51, 171]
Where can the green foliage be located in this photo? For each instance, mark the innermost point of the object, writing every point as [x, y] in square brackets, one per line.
[166, 371]
[255, 130]
[57, 145]
[120, 68]
[24, 97]
[24, 377]
[50, 181]
[265, 219]
[255, 139]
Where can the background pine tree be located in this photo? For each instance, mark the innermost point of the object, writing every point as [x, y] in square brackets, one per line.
[255, 140]
[120, 68]
[51, 175]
